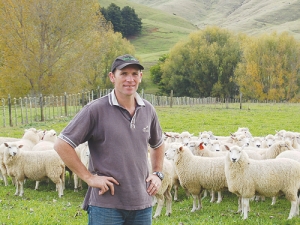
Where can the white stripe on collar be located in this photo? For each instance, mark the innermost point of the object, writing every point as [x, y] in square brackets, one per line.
[113, 99]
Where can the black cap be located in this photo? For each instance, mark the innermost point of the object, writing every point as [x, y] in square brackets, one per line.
[125, 60]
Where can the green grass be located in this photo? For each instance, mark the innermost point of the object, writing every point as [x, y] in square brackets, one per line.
[44, 207]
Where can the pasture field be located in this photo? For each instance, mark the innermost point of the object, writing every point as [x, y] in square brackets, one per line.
[44, 207]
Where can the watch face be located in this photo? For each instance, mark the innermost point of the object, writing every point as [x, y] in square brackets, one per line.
[160, 175]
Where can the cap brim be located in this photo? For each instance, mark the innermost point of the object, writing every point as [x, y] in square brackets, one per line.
[127, 64]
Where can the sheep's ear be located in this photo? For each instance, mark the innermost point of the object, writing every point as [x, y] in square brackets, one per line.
[20, 146]
[226, 147]
[201, 147]
[6, 144]
[180, 149]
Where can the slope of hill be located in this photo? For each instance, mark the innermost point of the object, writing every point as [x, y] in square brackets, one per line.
[247, 16]
[166, 22]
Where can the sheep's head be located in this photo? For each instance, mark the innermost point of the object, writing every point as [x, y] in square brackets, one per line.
[12, 148]
[234, 153]
[173, 150]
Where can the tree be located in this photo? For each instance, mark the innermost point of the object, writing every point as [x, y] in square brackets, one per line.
[270, 67]
[132, 25]
[51, 46]
[125, 21]
[203, 65]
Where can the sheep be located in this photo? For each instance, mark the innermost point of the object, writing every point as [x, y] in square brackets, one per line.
[34, 165]
[176, 183]
[28, 140]
[275, 149]
[83, 153]
[184, 137]
[256, 142]
[269, 177]
[165, 190]
[291, 136]
[197, 173]
[47, 142]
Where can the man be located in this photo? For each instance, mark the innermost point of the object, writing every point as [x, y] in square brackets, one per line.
[118, 127]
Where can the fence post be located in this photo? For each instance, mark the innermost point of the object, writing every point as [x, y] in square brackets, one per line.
[241, 94]
[9, 111]
[42, 108]
[171, 99]
[66, 108]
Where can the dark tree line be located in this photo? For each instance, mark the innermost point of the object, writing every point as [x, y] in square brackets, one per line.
[125, 21]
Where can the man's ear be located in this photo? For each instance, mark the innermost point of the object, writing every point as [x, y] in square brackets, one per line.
[111, 77]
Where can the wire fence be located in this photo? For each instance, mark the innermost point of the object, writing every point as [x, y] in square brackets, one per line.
[27, 110]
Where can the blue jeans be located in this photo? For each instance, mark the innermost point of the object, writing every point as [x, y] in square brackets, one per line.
[108, 216]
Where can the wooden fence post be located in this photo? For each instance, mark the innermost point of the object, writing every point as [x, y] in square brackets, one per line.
[42, 108]
[66, 108]
[241, 94]
[9, 111]
[171, 99]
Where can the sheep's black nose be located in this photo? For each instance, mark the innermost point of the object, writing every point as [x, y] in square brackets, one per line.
[233, 159]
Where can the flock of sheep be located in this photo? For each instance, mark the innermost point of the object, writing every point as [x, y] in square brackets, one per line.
[33, 157]
[250, 167]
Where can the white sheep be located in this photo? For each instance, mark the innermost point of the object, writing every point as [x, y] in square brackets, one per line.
[267, 177]
[34, 165]
[28, 140]
[83, 153]
[47, 142]
[164, 192]
[274, 150]
[197, 173]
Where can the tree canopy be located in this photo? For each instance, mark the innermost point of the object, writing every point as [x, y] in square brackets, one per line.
[50, 46]
[203, 65]
[270, 67]
[125, 21]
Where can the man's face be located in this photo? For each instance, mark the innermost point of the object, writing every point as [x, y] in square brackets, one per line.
[126, 80]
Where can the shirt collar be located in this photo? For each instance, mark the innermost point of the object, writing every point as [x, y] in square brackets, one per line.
[113, 99]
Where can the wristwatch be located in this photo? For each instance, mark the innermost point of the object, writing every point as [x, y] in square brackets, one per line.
[159, 174]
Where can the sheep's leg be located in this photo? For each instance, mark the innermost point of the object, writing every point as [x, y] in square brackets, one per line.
[204, 194]
[59, 187]
[273, 200]
[5, 180]
[160, 204]
[168, 197]
[293, 211]
[245, 202]
[21, 188]
[154, 200]
[17, 187]
[175, 192]
[36, 185]
[219, 196]
[75, 182]
[212, 194]
[195, 203]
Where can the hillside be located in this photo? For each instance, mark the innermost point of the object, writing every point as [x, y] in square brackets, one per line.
[166, 22]
[248, 16]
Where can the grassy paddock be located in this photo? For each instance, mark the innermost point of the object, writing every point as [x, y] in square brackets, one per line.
[44, 206]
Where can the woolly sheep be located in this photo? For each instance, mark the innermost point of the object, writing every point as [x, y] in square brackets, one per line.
[47, 142]
[83, 153]
[291, 136]
[267, 177]
[274, 150]
[34, 165]
[197, 173]
[28, 140]
[164, 192]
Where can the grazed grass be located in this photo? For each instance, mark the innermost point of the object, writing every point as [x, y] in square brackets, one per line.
[44, 206]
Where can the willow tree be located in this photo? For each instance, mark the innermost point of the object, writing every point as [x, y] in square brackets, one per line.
[203, 65]
[270, 67]
[51, 46]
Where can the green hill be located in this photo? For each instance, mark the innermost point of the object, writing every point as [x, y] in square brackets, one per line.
[165, 22]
